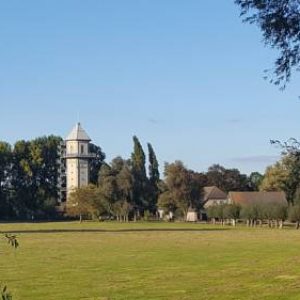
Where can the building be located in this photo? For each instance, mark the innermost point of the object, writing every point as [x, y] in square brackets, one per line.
[192, 215]
[212, 195]
[61, 180]
[247, 198]
[74, 155]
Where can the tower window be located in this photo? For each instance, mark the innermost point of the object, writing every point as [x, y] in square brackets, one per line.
[82, 149]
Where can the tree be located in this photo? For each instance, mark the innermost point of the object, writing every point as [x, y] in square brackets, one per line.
[5, 176]
[95, 163]
[167, 202]
[217, 212]
[232, 211]
[125, 183]
[279, 21]
[255, 180]
[183, 186]
[266, 213]
[211, 212]
[220, 212]
[251, 213]
[125, 186]
[116, 188]
[284, 176]
[291, 160]
[81, 202]
[107, 187]
[215, 176]
[294, 211]
[153, 165]
[275, 178]
[121, 210]
[34, 175]
[280, 214]
[227, 179]
[292, 183]
[138, 157]
[46, 170]
[140, 180]
[154, 178]
[294, 214]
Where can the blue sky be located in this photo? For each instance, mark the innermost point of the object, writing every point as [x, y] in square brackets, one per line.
[186, 76]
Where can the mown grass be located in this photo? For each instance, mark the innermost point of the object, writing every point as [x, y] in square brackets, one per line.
[150, 261]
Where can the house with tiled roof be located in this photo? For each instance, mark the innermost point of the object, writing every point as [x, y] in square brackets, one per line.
[212, 195]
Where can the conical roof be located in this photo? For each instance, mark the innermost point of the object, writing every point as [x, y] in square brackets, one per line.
[78, 134]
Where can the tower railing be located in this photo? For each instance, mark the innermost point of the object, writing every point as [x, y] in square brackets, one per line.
[79, 155]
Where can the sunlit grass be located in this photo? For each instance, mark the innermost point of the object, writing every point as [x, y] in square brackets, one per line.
[150, 261]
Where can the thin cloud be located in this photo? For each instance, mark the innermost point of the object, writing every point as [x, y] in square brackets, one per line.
[153, 121]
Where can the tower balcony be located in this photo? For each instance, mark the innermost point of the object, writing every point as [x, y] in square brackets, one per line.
[79, 155]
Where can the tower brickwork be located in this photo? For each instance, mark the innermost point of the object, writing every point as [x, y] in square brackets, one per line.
[77, 157]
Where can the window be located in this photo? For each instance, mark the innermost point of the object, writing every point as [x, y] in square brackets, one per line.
[82, 149]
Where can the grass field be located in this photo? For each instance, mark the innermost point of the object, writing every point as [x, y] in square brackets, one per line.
[150, 261]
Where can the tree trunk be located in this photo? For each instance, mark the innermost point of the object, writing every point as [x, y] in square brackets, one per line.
[233, 222]
[297, 225]
[80, 218]
[281, 224]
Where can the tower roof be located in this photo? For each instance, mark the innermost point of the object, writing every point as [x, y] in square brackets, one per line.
[78, 134]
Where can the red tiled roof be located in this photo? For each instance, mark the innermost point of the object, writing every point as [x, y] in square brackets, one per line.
[245, 198]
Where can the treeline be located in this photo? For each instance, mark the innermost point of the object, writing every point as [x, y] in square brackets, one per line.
[29, 177]
[273, 214]
[284, 175]
[125, 190]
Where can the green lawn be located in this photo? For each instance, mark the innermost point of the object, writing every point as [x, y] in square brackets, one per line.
[150, 261]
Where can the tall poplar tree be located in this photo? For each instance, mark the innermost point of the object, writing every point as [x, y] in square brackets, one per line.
[138, 157]
[154, 178]
[140, 180]
[153, 165]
